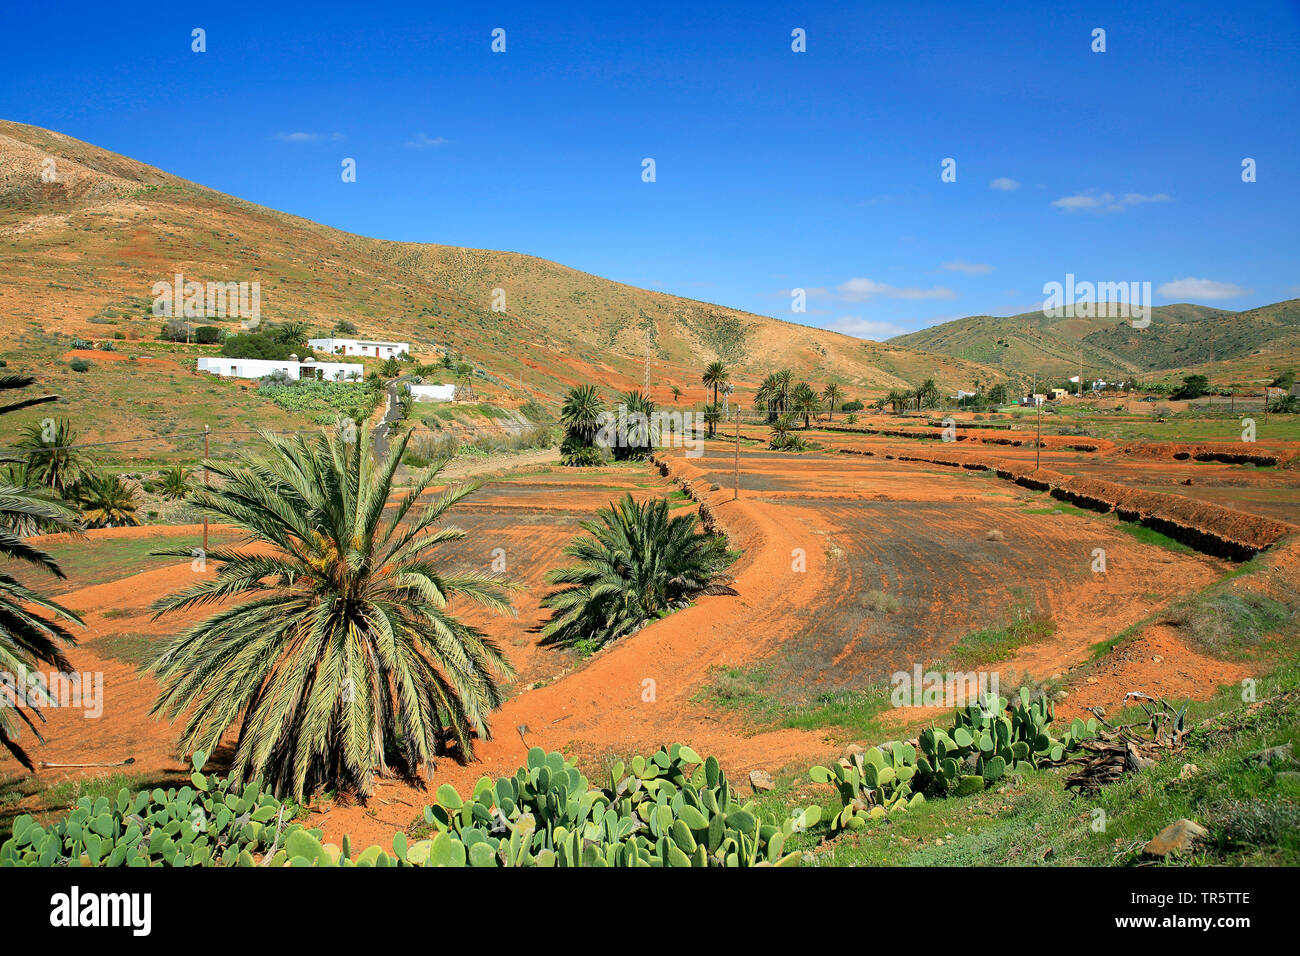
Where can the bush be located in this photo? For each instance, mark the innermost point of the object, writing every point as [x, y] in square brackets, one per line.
[346, 327]
[207, 335]
[175, 330]
[853, 406]
[261, 345]
[79, 365]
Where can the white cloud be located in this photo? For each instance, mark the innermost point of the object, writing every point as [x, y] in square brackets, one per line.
[970, 268]
[1190, 288]
[1004, 183]
[421, 141]
[301, 137]
[859, 290]
[1106, 202]
[862, 328]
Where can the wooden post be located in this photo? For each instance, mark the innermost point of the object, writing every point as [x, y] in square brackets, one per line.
[735, 494]
[205, 484]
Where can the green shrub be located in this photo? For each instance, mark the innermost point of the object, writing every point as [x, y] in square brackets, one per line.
[79, 365]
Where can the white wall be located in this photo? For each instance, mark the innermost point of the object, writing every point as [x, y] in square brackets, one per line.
[260, 368]
[431, 393]
[371, 347]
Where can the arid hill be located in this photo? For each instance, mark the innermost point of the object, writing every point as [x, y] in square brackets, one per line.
[81, 253]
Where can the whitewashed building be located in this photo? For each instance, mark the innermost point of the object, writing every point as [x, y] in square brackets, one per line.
[367, 347]
[293, 369]
[431, 393]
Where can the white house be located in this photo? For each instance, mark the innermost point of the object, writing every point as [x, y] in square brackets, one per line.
[295, 370]
[431, 393]
[360, 347]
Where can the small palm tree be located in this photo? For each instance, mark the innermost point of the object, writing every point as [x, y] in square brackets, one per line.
[581, 416]
[106, 501]
[715, 376]
[51, 460]
[32, 628]
[175, 483]
[831, 394]
[634, 564]
[344, 653]
[782, 437]
[677, 393]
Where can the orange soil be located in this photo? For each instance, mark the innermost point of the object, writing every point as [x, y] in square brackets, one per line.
[639, 693]
[95, 355]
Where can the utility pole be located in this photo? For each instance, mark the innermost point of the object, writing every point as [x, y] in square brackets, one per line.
[647, 363]
[1080, 373]
[1038, 444]
[736, 487]
[205, 484]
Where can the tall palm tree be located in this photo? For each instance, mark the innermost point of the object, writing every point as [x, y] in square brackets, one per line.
[898, 398]
[926, 393]
[51, 460]
[715, 376]
[637, 438]
[580, 417]
[784, 382]
[831, 393]
[804, 401]
[344, 652]
[766, 396]
[33, 629]
[633, 564]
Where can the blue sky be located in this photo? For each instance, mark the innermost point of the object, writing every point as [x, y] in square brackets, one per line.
[774, 169]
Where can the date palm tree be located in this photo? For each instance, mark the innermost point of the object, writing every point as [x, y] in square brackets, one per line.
[804, 401]
[926, 394]
[175, 483]
[766, 397]
[677, 393]
[51, 459]
[106, 501]
[634, 564]
[580, 417]
[33, 629]
[831, 395]
[342, 653]
[715, 376]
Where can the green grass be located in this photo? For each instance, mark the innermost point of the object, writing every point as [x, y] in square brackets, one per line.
[753, 692]
[992, 644]
[93, 561]
[130, 648]
[1153, 537]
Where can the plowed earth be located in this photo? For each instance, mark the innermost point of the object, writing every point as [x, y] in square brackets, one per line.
[958, 549]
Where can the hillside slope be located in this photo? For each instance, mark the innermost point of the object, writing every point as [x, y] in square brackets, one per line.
[1231, 347]
[81, 254]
